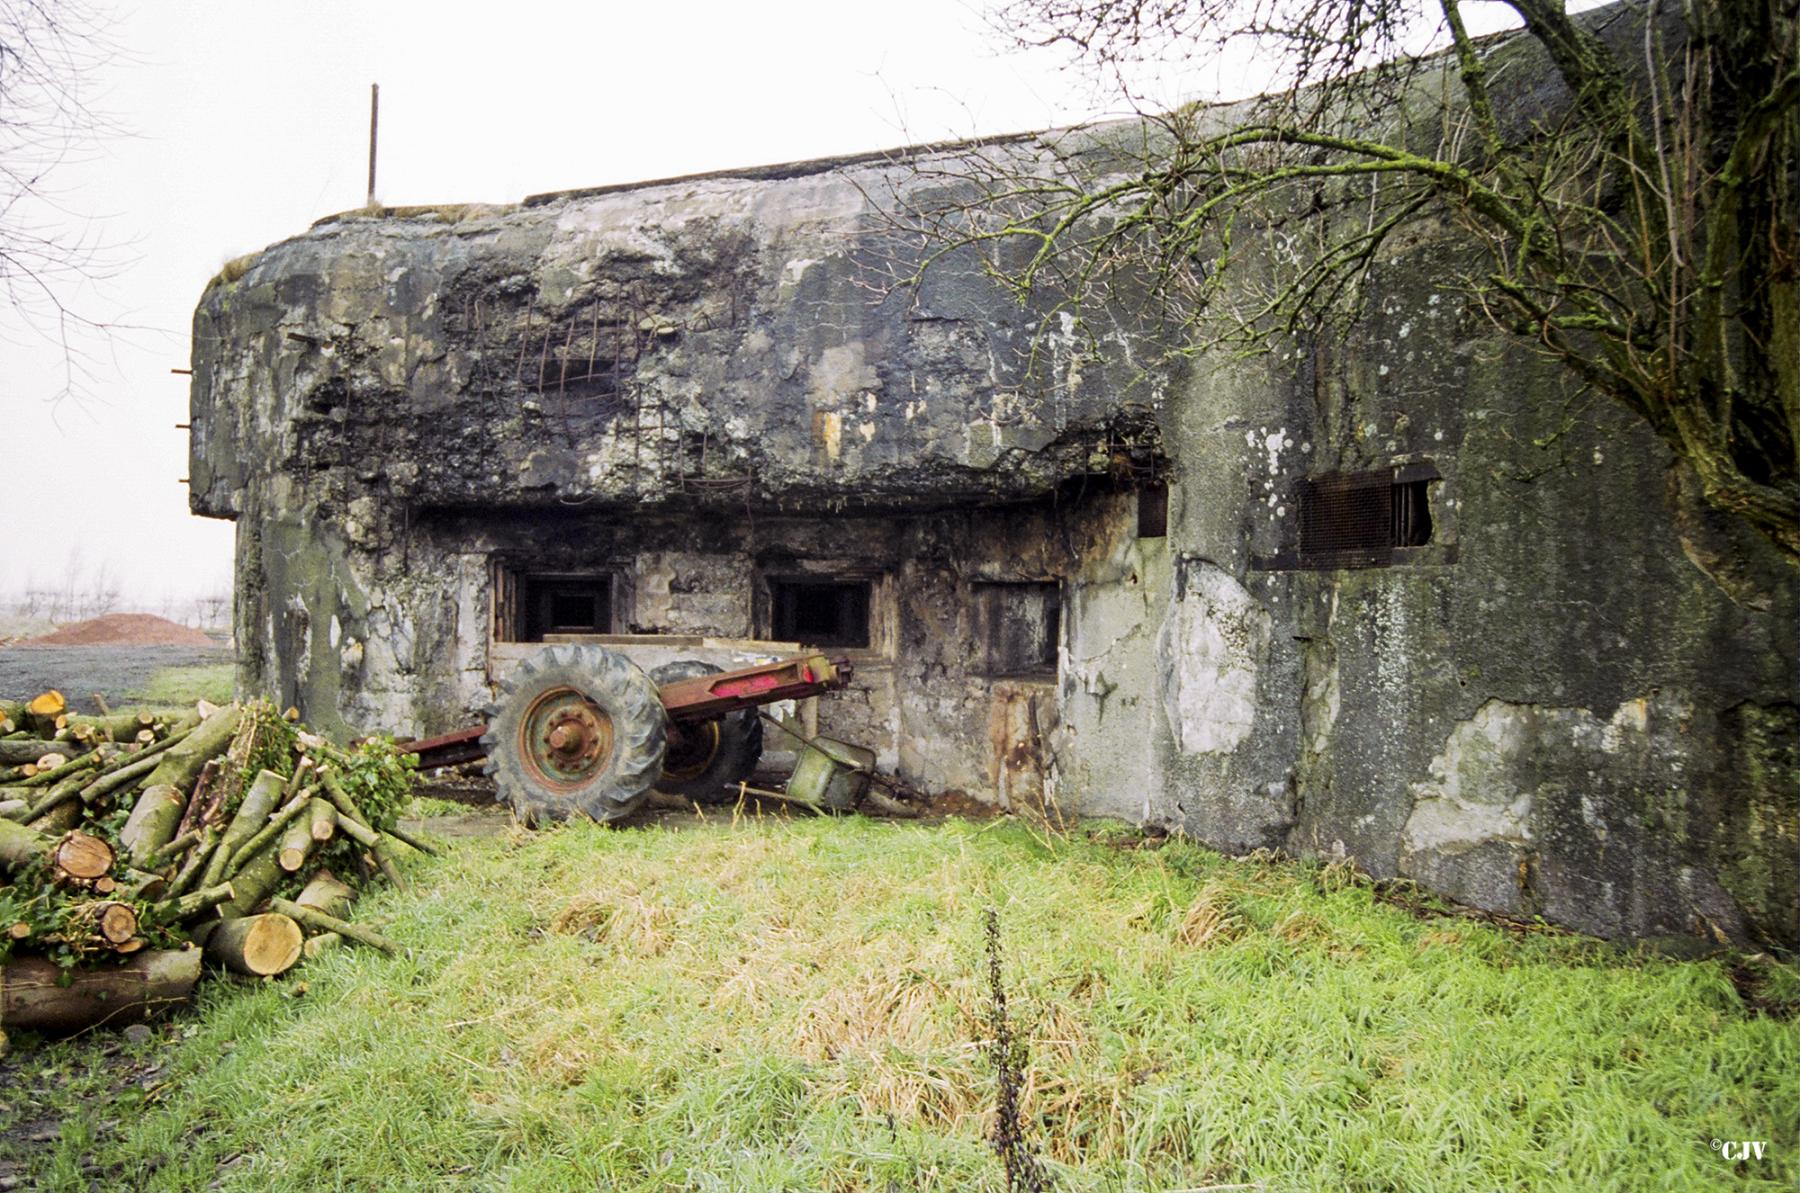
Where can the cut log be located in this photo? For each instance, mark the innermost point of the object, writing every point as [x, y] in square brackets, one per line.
[173, 911]
[65, 792]
[127, 768]
[321, 922]
[20, 845]
[151, 824]
[417, 842]
[296, 841]
[174, 849]
[196, 865]
[258, 945]
[347, 809]
[60, 819]
[385, 860]
[15, 809]
[181, 765]
[325, 893]
[49, 762]
[116, 922]
[359, 832]
[37, 995]
[44, 778]
[126, 726]
[43, 710]
[143, 887]
[82, 856]
[252, 882]
[278, 825]
[323, 826]
[251, 815]
[12, 753]
[196, 814]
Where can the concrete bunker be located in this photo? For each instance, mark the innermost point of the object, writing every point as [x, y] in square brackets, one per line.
[1338, 600]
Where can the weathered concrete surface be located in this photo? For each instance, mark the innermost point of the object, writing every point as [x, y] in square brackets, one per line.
[1577, 700]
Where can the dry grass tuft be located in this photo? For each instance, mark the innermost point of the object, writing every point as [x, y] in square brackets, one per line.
[1209, 920]
[622, 918]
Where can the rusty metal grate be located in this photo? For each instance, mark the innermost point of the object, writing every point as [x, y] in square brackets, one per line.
[1347, 520]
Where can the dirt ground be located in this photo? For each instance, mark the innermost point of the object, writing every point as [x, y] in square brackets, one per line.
[116, 672]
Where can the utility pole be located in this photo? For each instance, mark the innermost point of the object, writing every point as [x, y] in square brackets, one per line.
[374, 116]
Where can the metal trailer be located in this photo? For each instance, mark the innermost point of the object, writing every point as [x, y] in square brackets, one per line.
[581, 730]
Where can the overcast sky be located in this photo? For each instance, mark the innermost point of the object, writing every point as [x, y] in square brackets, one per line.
[245, 121]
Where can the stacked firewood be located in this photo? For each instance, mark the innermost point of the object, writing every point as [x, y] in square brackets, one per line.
[135, 846]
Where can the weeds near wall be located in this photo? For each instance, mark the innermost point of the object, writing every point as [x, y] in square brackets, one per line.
[1008, 1056]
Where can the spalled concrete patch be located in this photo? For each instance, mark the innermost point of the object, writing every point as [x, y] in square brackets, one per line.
[1210, 649]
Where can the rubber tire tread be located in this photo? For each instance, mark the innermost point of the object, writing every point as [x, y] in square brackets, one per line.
[740, 744]
[629, 697]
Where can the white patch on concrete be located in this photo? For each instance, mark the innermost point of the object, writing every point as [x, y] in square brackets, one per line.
[1212, 643]
[1466, 801]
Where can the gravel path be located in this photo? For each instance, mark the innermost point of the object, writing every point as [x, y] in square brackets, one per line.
[117, 672]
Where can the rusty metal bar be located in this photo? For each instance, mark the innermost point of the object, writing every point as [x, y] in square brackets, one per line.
[707, 696]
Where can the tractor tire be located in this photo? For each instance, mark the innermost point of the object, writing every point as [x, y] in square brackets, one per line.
[579, 731]
[723, 753]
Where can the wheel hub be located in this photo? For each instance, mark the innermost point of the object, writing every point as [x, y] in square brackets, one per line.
[691, 750]
[566, 738]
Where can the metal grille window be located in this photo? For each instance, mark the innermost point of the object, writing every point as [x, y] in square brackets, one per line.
[1359, 519]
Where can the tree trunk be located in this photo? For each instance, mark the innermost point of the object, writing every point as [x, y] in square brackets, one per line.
[325, 893]
[257, 945]
[152, 824]
[34, 998]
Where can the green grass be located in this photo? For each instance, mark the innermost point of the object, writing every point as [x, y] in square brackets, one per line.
[775, 1005]
[184, 685]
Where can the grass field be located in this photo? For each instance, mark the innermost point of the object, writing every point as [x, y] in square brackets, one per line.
[800, 1005]
[184, 685]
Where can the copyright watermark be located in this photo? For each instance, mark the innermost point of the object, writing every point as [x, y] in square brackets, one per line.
[1740, 1149]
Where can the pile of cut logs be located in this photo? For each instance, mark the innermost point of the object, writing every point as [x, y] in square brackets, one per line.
[135, 846]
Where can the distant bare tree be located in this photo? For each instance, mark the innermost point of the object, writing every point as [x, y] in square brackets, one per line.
[49, 51]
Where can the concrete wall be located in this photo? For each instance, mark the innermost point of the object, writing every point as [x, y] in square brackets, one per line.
[1577, 700]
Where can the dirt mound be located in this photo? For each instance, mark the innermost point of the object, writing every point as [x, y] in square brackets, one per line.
[122, 629]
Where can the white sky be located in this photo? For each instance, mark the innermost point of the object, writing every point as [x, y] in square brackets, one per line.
[247, 120]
